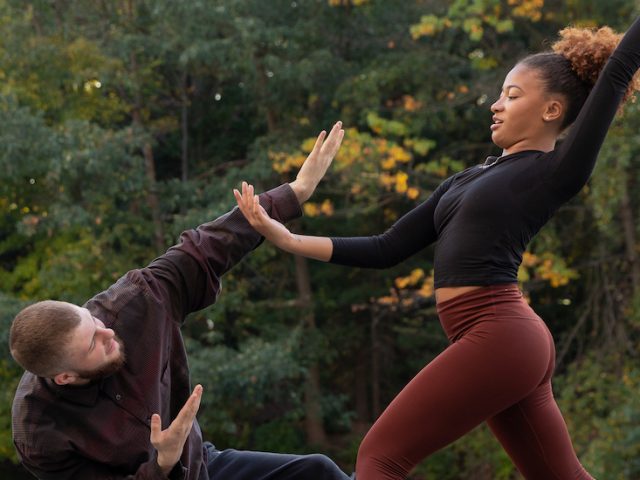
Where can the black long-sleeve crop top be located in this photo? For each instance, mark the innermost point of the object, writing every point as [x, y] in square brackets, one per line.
[483, 217]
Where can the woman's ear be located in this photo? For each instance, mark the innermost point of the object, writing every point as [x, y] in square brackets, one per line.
[553, 111]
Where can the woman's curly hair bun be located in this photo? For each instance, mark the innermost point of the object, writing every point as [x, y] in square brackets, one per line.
[588, 49]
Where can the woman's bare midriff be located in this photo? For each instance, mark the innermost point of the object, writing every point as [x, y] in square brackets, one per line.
[447, 293]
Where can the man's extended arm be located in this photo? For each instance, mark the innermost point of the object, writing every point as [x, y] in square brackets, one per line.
[188, 275]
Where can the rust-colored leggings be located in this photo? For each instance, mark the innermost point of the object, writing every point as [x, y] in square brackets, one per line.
[497, 369]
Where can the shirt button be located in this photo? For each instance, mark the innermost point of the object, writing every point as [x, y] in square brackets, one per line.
[118, 396]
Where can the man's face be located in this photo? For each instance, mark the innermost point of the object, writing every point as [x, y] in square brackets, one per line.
[94, 351]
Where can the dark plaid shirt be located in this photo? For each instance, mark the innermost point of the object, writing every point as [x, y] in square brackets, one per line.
[101, 431]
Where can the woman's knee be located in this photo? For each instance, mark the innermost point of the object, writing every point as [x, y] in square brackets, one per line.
[374, 463]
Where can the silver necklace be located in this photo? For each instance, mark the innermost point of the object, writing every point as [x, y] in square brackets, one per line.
[490, 161]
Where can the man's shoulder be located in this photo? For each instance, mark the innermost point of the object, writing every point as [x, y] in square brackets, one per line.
[30, 403]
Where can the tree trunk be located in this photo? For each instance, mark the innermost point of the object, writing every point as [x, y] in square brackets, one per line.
[361, 392]
[628, 225]
[184, 127]
[147, 149]
[376, 403]
[314, 426]
[152, 195]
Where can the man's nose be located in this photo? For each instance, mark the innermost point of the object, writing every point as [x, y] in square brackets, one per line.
[108, 333]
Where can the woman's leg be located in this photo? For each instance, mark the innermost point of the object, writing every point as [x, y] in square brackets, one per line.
[494, 365]
[535, 435]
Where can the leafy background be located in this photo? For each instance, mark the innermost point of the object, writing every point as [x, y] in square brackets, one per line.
[125, 122]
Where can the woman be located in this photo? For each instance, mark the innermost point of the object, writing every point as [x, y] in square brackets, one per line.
[499, 365]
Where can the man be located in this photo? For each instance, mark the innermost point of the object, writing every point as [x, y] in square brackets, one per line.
[104, 379]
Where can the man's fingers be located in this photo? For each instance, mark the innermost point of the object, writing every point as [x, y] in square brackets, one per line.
[188, 412]
[156, 427]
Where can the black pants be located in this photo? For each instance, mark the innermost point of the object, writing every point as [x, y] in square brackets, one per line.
[241, 465]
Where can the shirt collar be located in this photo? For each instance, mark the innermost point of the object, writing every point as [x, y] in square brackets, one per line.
[86, 395]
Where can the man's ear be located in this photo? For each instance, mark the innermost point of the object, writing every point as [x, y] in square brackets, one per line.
[65, 378]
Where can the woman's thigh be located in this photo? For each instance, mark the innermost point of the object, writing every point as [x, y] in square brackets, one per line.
[493, 366]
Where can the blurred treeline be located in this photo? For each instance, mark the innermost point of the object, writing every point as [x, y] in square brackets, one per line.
[123, 122]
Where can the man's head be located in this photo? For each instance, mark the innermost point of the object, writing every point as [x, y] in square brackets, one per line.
[64, 342]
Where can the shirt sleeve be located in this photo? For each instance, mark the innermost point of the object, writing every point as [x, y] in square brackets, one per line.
[189, 273]
[576, 155]
[43, 467]
[407, 236]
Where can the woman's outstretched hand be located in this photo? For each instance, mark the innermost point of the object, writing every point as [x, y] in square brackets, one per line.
[317, 163]
[249, 205]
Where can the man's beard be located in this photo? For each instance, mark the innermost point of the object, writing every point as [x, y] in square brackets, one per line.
[106, 370]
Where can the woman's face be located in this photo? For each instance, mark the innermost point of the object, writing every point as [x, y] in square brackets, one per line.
[521, 113]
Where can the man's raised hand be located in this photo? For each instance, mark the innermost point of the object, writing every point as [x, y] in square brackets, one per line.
[317, 163]
[170, 442]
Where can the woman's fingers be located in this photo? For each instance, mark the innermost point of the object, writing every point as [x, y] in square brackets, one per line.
[319, 142]
[334, 140]
[249, 204]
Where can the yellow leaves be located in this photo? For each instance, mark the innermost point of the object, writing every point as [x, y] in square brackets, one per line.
[547, 267]
[308, 144]
[408, 289]
[388, 163]
[398, 183]
[401, 182]
[410, 280]
[315, 210]
[474, 18]
[429, 25]
[283, 162]
[473, 26]
[351, 149]
[413, 193]
[529, 259]
[396, 154]
[399, 154]
[410, 104]
[426, 290]
[527, 8]
[555, 271]
[378, 161]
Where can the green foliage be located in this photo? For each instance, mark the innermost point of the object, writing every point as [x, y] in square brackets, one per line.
[250, 391]
[10, 373]
[105, 103]
[600, 399]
